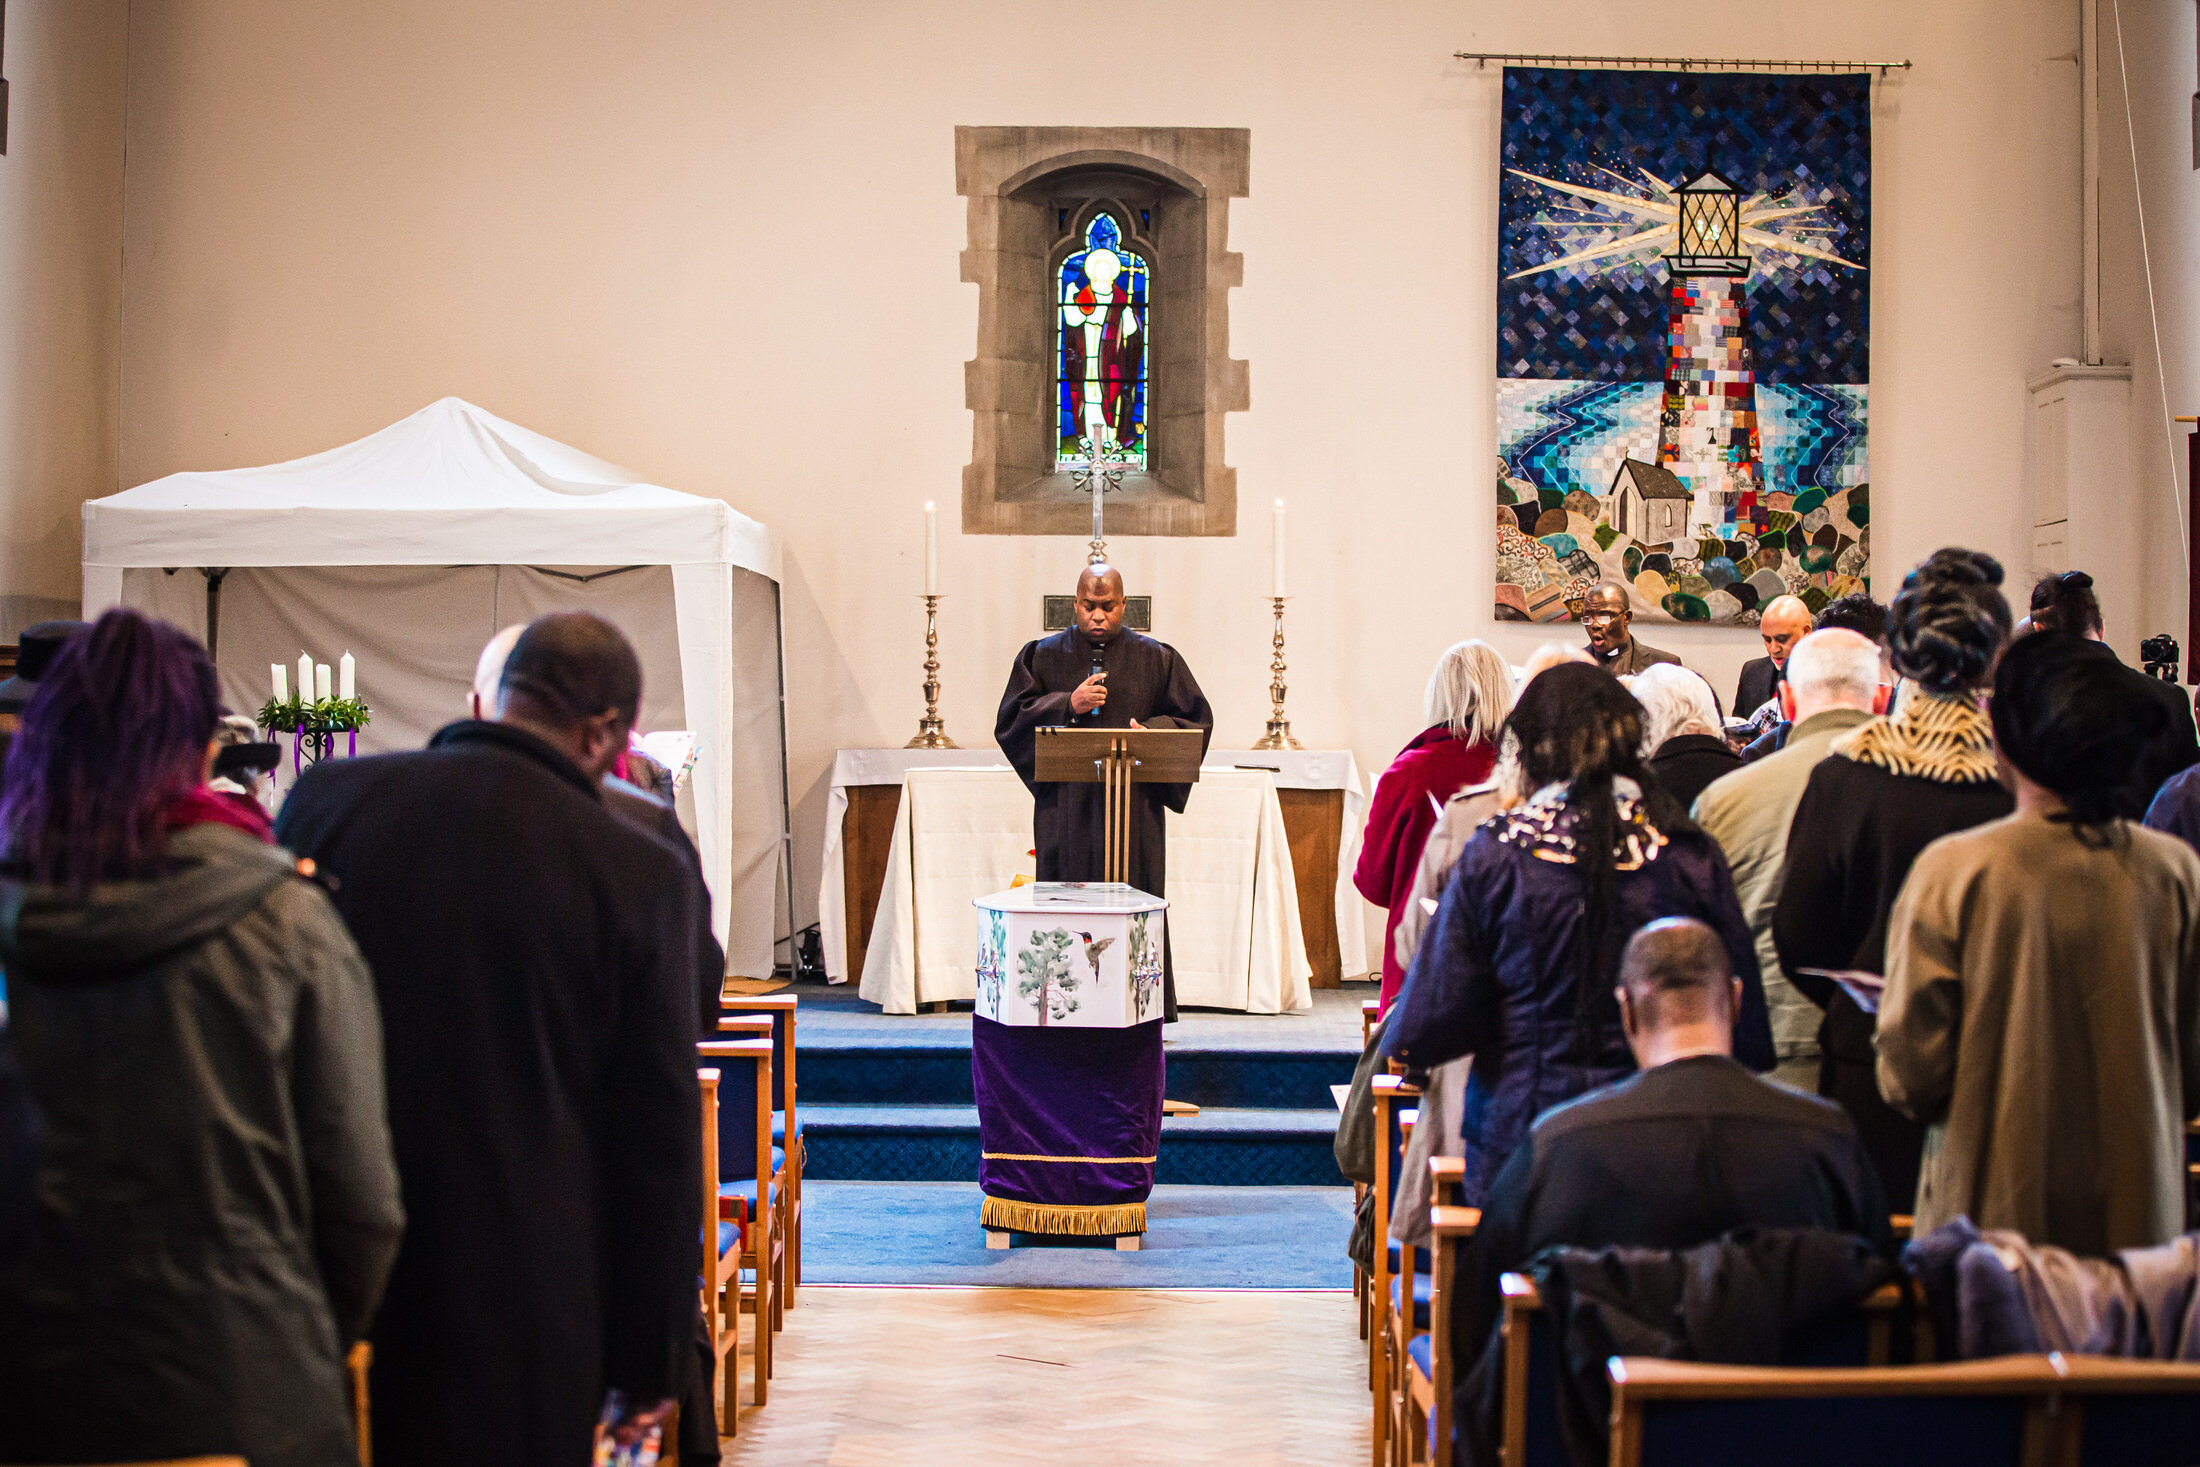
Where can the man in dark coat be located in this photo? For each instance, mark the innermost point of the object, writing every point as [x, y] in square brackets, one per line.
[534, 955]
[1097, 675]
[1691, 1146]
[1784, 623]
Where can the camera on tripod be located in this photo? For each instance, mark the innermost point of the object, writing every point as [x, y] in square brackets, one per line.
[2159, 656]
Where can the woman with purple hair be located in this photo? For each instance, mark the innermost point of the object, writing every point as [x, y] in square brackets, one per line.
[216, 1204]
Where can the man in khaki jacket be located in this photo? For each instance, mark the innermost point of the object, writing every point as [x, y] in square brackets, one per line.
[1833, 684]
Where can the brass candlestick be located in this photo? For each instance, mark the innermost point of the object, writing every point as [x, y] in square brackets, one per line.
[1279, 726]
[931, 729]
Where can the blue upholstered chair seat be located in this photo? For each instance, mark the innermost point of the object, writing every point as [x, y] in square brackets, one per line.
[1422, 1352]
[1421, 1287]
[779, 1129]
[1423, 1259]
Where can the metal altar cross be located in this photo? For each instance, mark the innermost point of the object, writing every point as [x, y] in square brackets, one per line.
[1100, 470]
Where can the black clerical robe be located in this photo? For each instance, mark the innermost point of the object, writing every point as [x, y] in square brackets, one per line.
[1147, 682]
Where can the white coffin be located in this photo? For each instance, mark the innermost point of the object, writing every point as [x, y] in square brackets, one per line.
[1069, 954]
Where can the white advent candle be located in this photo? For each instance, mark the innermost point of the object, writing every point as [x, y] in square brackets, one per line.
[305, 678]
[320, 682]
[931, 549]
[280, 676]
[1278, 535]
[346, 671]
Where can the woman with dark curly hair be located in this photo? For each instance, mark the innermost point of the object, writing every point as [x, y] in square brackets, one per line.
[1519, 964]
[1890, 788]
[2053, 1046]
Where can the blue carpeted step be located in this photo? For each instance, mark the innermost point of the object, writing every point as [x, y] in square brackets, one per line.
[939, 1143]
[868, 1071]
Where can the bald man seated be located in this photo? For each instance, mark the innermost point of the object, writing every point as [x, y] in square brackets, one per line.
[1786, 621]
[1688, 1149]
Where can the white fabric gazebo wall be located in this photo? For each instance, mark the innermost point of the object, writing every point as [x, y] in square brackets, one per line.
[410, 547]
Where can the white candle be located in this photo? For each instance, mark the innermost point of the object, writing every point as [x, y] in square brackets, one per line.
[1278, 534]
[305, 677]
[320, 682]
[931, 549]
[280, 676]
[346, 670]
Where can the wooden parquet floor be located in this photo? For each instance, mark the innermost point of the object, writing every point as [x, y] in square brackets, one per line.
[983, 1377]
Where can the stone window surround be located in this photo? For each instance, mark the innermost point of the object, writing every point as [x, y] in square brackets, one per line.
[1010, 486]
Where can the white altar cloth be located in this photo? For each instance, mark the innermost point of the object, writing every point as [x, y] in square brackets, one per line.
[1308, 769]
[1233, 907]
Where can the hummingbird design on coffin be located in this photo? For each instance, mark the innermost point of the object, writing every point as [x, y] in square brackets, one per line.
[1094, 949]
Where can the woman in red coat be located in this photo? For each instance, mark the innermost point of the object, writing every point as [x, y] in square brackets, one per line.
[1468, 698]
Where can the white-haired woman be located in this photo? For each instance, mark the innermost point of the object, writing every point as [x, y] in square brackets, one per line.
[1683, 740]
[1468, 698]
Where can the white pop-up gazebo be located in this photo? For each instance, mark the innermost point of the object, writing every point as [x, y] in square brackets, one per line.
[412, 546]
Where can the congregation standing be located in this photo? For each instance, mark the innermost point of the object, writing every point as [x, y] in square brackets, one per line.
[1892, 944]
[418, 1064]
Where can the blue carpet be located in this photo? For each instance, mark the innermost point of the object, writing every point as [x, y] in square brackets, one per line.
[939, 1143]
[1196, 1238]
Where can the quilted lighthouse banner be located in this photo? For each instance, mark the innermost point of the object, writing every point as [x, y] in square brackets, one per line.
[1683, 341]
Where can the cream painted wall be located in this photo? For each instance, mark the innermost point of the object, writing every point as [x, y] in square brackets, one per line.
[719, 244]
[60, 292]
[2147, 51]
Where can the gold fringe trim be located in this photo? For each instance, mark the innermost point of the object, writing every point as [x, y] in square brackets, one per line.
[1087, 1160]
[1004, 1215]
[1947, 739]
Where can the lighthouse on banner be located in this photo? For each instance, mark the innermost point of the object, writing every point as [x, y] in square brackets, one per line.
[1707, 428]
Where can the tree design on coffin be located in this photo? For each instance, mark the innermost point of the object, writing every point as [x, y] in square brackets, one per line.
[992, 962]
[1100, 350]
[1047, 978]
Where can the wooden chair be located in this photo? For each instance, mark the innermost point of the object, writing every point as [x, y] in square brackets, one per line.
[1430, 1366]
[1528, 1434]
[1360, 1296]
[1387, 1335]
[739, 1222]
[780, 1008]
[759, 1027]
[357, 1362]
[1980, 1413]
[2192, 1175]
[2127, 1413]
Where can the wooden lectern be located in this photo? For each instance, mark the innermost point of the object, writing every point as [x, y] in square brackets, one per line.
[1118, 758]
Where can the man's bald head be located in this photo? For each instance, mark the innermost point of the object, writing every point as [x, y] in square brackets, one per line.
[571, 666]
[1784, 622]
[574, 682]
[489, 670]
[1100, 574]
[1835, 668]
[1674, 974]
[1100, 601]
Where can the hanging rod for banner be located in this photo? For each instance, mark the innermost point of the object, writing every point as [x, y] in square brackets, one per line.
[1678, 63]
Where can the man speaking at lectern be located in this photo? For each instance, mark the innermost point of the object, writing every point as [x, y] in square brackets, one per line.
[1097, 675]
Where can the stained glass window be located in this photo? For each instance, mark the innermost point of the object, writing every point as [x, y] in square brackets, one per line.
[1100, 350]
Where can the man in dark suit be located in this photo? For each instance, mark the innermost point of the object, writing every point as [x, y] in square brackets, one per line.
[1786, 621]
[1691, 1147]
[534, 958]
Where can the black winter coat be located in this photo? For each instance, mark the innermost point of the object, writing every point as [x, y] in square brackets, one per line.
[535, 957]
[217, 1209]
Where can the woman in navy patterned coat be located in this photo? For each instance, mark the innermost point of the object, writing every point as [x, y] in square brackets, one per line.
[1519, 965]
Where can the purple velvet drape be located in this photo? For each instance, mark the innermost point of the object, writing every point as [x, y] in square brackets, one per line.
[1089, 1097]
